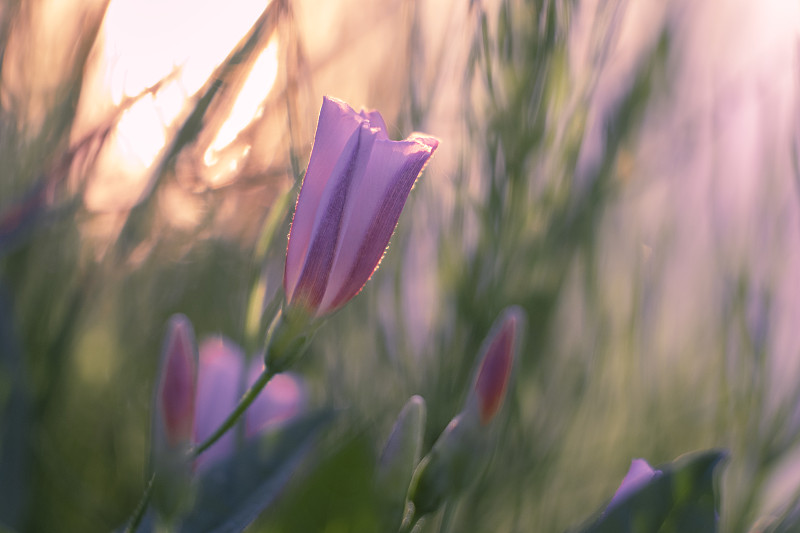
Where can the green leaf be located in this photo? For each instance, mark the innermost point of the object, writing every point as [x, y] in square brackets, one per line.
[231, 494]
[680, 500]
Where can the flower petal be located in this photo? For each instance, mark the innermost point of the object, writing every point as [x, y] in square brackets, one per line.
[376, 121]
[372, 214]
[219, 386]
[313, 280]
[337, 124]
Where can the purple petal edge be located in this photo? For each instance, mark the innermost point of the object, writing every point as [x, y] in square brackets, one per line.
[313, 279]
[382, 225]
[337, 123]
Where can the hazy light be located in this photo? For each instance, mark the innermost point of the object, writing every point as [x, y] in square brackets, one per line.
[248, 104]
[171, 49]
[141, 133]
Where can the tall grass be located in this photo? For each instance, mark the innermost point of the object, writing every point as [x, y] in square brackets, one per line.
[570, 181]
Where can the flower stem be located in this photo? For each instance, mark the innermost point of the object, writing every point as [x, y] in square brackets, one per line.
[138, 513]
[244, 403]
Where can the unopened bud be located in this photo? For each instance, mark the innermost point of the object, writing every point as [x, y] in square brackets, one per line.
[177, 383]
[462, 451]
[398, 460]
[498, 355]
[174, 420]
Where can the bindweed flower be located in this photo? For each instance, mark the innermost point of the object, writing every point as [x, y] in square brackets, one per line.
[462, 451]
[355, 187]
[219, 387]
[222, 382]
[639, 474]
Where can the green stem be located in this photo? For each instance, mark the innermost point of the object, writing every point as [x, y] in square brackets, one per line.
[138, 514]
[244, 403]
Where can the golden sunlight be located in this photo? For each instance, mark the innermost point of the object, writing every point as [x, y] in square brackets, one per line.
[248, 103]
[152, 58]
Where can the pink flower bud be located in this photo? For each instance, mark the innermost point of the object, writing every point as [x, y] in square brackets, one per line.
[639, 474]
[495, 367]
[219, 387]
[355, 187]
[282, 399]
[176, 391]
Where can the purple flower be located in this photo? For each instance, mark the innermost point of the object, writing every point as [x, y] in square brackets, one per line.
[355, 187]
[281, 400]
[220, 385]
[639, 474]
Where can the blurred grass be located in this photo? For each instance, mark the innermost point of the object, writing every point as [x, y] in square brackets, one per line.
[509, 222]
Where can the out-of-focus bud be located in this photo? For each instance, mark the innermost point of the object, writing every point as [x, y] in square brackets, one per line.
[498, 356]
[177, 382]
[355, 187]
[174, 419]
[398, 460]
[639, 474]
[219, 386]
[462, 451]
[282, 399]
[455, 461]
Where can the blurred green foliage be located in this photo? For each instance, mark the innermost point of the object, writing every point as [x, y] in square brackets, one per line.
[81, 323]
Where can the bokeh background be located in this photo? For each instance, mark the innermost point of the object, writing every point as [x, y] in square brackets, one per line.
[626, 171]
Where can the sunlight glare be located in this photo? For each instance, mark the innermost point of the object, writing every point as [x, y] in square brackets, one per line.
[141, 133]
[171, 49]
[249, 102]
